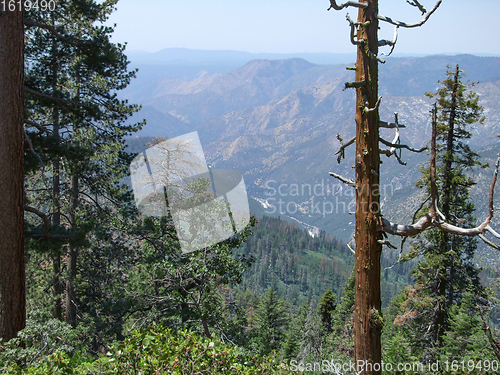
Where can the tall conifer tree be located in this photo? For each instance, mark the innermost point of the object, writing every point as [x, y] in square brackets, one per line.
[448, 267]
[75, 124]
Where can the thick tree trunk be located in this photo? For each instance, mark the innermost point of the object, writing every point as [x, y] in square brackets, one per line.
[12, 273]
[368, 320]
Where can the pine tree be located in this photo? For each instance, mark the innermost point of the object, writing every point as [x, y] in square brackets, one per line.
[465, 340]
[295, 334]
[75, 124]
[272, 321]
[343, 322]
[326, 307]
[442, 277]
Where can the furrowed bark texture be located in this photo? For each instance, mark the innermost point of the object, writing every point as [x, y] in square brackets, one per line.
[368, 320]
[12, 273]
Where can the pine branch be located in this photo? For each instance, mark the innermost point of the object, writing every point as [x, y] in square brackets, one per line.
[31, 23]
[47, 96]
[41, 215]
[37, 125]
[46, 227]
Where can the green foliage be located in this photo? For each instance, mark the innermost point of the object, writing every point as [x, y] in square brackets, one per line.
[42, 337]
[296, 265]
[271, 318]
[466, 340]
[326, 306]
[74, 172]
[183, 289]
[448, 266]
[294, 338]
[341, 340]
[158, 350]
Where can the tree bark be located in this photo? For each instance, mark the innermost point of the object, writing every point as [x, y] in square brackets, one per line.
[12, 271]
[56, 190]
[72, 257]
[367, 316]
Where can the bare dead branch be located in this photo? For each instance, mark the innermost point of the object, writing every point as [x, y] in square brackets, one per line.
[377, 105]
[387, 243]
[396, 144]
[345, 180]
[390, 153]
[415, 3]
[400, 146]
[488, 242]
[390, 125]
[355, 4]
[386, 42]
[350, 247]
[491, 231]
[409, 25]
[407, 230]
[353, 31]
[391, 43]
[354, 85]
[52, 236]
[46, 227]
[400, 255]
[374, 56]
[431, 218]
[341, 151]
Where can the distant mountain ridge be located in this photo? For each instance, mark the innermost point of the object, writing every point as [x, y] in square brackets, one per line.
[185, 56]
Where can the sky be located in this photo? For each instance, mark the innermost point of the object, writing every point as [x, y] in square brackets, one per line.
[298, 26]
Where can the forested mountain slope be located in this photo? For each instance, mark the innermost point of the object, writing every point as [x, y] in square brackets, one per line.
[300, 267]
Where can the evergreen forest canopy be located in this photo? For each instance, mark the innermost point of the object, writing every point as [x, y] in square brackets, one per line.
[110, 291]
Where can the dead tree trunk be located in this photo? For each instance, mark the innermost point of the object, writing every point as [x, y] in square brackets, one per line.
[367, 318]
[12, 273]
[370, 224]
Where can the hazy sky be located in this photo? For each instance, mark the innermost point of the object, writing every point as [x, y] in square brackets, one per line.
[288, 26]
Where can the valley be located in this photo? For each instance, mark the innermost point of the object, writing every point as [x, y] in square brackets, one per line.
[278, 121]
